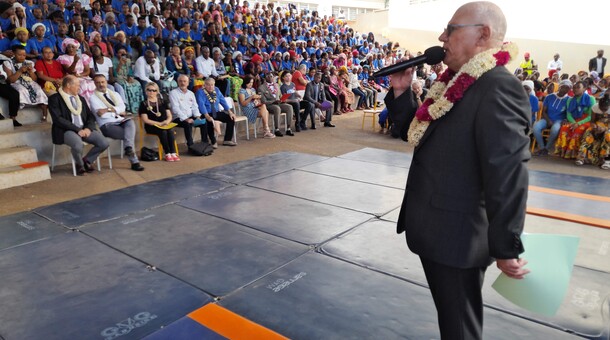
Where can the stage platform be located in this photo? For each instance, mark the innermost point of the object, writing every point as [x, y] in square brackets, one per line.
[287, 245]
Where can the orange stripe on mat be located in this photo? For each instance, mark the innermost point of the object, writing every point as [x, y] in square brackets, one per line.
[570, 194]
[231, 325]
[33, 165]
[596, 222]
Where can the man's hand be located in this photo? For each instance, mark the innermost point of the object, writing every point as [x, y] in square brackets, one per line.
[189, 120]
[401, 81]
[84, 133]
[513, 268]
[208, 117]
[231, 115]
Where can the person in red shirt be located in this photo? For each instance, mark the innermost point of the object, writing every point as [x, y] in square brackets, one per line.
[49, 71]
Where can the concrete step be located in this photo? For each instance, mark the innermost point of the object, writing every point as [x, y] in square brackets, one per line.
[6, 125]
[24, 174]
[17, 155]
[27, 115]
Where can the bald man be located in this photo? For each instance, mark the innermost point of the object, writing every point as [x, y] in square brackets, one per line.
[464, 203]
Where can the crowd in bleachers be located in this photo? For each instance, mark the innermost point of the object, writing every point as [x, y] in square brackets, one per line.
[263, 60]
[570, 113]
[228, 58]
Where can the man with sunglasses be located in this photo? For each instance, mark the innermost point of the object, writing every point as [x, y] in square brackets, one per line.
[466, 193]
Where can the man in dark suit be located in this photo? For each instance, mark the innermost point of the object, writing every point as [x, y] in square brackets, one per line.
[314, 93]
[598, 63]
[466, 193]
[73, 124]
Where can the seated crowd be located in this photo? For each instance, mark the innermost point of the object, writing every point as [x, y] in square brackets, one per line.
[185, 64]
[181, 64]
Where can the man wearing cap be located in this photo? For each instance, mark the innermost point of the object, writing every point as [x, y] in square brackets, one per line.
[553, 114]
[528, 66]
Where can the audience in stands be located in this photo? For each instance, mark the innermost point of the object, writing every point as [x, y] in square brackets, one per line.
[135, 43]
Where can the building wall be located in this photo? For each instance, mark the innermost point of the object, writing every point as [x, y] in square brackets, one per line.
[575, 56]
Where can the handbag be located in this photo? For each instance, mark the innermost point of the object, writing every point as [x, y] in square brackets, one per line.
[148, 155]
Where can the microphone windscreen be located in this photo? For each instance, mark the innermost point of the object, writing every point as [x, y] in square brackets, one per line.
[434, 55]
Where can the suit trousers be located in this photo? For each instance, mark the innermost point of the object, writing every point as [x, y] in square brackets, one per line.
[125, 132]
[276, 109]
[75, 142]
[458, 299]
[221, 116]
[188, 131]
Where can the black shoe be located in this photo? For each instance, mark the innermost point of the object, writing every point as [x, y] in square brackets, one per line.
[16, 123]
[137, 167]
[1, 117]
[80, 171]
[303, 127]
[87, 165]
[329, 125]
[278, 133]
[297, 128]
[289, 133]
[129, 152]
[313, 127]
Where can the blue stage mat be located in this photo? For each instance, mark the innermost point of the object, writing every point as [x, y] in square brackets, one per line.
[571, 205]
[210, 253]
[292, 218]
[24, 228]
[368, 198]
[361, 171]
[260, 167]
[568, 182]
[584, 310]
[318, 297]
[73, 287]
[122, 202]
[387, 157]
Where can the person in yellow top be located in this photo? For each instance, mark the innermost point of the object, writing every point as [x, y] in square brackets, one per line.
[528, 65]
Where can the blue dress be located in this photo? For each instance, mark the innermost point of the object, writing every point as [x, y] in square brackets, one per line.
[250, 111]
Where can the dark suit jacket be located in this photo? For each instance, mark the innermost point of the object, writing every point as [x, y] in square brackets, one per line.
[401, 111]
[465, 197]
[266, 96]
[310, 94]
[593, 65]
[62, 118]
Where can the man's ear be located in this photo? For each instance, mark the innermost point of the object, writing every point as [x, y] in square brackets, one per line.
[484, 35]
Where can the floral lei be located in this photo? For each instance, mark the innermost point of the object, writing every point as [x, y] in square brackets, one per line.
[211, 96]
[451, 86]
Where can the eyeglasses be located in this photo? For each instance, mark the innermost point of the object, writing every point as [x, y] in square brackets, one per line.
[151, 90]
[452, 27]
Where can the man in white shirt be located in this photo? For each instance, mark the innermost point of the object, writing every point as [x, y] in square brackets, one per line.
[109, 110]
[205, 64]
[186, 112]
[556, 64]
[147, 69]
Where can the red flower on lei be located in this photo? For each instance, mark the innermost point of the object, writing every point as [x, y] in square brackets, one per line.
[455, 93]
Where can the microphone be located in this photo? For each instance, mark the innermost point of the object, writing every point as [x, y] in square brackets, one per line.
[431, 56]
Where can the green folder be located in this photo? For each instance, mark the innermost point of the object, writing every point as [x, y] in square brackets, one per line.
[550, 261]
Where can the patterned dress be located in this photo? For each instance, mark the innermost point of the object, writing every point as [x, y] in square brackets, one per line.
[30, 93]
[595, 146]
[133, 90]
[249, 110]
[87, 87]
[578, 112]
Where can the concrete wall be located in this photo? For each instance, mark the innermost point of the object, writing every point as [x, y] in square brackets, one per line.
[575, 57]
